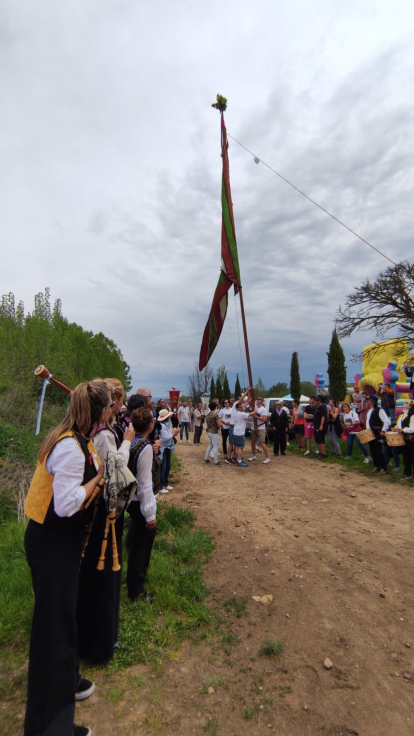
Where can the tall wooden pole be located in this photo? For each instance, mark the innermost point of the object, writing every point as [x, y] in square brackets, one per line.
[246, 345]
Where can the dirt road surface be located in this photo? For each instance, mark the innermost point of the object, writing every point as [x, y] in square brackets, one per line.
[335, 550]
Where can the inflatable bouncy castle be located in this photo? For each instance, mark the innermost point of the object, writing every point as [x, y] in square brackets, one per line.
[383, 363]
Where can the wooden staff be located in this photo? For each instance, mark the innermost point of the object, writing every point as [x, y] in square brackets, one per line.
[115, 562]
[101, 561]
[42, 372]
[246, 345]
[97, 493]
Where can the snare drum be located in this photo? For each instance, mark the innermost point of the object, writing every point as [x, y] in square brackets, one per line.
[366, 436]
[395, 439]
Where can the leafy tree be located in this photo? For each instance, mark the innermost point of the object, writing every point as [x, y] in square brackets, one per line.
[213, 392]
[198, 382]
[307, 388]
[295, 391]
[237, 388]
[260, 388]
[279, 389]
[219, 390]
[226, 388]
[387, 303]
[336, 369]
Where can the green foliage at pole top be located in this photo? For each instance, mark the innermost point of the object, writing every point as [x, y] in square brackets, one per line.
[336, 369]
[237, 388]
[295, 391]
[71, 354]
[220, 104]
[259, 389]
[213, 394]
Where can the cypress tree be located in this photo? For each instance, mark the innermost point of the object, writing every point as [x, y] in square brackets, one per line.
[226, 388]
[237, 388]
[336, 369]
[295, 391]
[219, 390]
[212, 390]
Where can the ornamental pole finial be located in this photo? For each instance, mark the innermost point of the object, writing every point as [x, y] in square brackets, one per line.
[221, 104]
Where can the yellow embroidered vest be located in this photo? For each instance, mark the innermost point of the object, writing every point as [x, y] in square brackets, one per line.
[40, 495]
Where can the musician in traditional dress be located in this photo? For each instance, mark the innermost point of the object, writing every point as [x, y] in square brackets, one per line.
[66, 479]
[100, 590]
[405, 425]
[377, 421]
[351, 428]
[143, 506]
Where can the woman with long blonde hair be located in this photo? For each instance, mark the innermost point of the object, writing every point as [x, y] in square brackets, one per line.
[66, 477]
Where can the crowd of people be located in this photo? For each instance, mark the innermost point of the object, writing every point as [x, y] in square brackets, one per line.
[77, 575]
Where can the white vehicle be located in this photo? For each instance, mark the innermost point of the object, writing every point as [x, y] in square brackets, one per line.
[269, 405]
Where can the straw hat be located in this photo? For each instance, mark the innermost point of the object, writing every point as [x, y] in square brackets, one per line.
[164, 414]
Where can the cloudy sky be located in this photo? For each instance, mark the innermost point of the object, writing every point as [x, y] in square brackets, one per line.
[111, 168]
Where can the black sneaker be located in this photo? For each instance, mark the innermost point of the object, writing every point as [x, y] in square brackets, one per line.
[206, 461]
[84, 690]
[82, 731]
[217, 464]
[229, 462]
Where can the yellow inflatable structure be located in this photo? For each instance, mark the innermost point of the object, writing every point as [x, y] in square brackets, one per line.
[377, 356]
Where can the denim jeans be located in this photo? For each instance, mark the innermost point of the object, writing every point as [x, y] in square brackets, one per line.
[165, 467]
[213, 446]
[392, 450]
[350, 441]
[184, 425]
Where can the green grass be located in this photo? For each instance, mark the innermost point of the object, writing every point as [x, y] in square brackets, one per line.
[211, 725]
[271, 648]
[250, 713]
[16, 593]
[236, 606]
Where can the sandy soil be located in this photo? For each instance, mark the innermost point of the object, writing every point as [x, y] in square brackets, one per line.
[334, 549]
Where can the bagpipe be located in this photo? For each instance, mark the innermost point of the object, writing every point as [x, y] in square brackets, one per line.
[116, 489]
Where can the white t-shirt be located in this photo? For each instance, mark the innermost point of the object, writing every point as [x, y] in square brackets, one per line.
[225, 416]
[184, 414]
[351, 418]
[261, 412]
[240, 423]
[233, 413]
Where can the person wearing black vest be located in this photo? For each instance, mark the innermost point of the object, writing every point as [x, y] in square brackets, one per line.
[279, 421]
[379, 423]
[65, 481]
[405, 425]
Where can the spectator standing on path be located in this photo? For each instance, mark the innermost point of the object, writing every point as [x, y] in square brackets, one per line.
[298, 424]
[184, 420]
[352, 427]
[231, 450]
[199, 418]
[239, 429]
[405, 424]
[160, 405]
[320, 423]
[191, 407]
[334, 427]
[167, 447]
[357, 399]
[258, 433]
[174, 419]
[279, 420]
[363, 411]
[308, 416]
[387, 400]
[379, 423]
[213, 424]
[225, 416]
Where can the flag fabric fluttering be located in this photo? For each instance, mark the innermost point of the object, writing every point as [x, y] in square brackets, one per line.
[230, 271]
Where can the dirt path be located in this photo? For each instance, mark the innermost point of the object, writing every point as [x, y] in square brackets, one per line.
[334, 549]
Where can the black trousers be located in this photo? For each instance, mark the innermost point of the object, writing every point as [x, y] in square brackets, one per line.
[377, 454]
[408, 456]
[198, 431]
[224, 438]
[279, 440]
[53, 557]
[99, 594]
[140, 543]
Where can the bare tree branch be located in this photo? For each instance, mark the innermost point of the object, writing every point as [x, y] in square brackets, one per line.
[199, 381]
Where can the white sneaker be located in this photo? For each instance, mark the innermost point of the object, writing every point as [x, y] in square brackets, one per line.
[259, 449]
[163, 491]
[306, 453]
[367, 460]
[266, 461]
[252, 458]
[317, 452]
[188, 442]
[287, 444]
[348, 458]
[180, 440]
[169, 488]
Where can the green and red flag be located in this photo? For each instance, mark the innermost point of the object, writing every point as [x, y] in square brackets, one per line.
[230, 271]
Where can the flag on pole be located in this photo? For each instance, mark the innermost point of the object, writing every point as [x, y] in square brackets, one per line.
[230, 271]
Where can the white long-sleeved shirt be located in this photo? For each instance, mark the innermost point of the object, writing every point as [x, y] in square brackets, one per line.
[104, 441]
[144, 493]
[410, 428]
[386, 421]
[66, 463]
